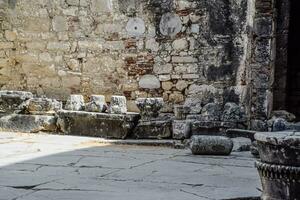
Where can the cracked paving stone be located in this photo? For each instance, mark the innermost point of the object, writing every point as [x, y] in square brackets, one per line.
[76, 168]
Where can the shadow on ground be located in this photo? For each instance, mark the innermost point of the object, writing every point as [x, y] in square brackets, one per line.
[43, 167]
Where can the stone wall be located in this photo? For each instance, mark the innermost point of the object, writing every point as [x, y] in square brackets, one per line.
[136, 48]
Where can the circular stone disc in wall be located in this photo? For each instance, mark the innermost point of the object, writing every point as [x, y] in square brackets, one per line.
[135, 27]
[170, 24]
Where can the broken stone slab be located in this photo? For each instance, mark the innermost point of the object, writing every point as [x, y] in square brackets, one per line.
[153, 130]
[241, 144]
[181, 129]
[97, 104]
[149, 107]
[211, 145]
[28, 123]
[75, 103]
[118, 105]
[112, 126]
[11, 100]
[211, 127]
[41, 106]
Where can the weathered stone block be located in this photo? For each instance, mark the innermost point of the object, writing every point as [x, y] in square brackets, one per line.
[60, 23]
[115, 126]
[38, 106]
[100, 6]
[149, 82]
[211, 112]
[28, 123]
[170, 24]
[97, 104]
[118, 105]
[209, 127]
[211, 145]
[149, 107]
[75, 103]
[233, 113]
[181, 129]
[153, 130]
[11, 100]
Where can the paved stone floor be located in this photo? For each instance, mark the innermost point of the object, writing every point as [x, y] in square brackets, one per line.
[43, 167]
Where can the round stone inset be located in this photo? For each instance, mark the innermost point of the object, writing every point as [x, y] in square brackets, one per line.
[135, 27]
[170, 24]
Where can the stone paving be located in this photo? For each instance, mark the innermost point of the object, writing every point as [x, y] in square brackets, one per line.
[43, 167]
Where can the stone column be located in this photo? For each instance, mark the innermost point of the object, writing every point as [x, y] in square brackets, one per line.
[279, 167]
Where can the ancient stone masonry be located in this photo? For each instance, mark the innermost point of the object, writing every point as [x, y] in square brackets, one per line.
[136, 48]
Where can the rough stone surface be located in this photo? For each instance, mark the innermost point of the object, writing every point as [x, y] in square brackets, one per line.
[211, 145]
[97, 104]
[153, 129]
[11, 100]
[68, 167]
[117, 126]
[211, 112]
[75, 103]
[118, 105]
[279, 148]
[41, 106]
[62, 47]
[241, 144]
[149, 82]
[290, 117]
[28, 123]
[181, 129]
[149, 107]
[233, 113]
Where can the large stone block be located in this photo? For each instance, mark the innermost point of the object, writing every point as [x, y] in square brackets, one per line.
[11, 100]
[28, 123]
[153, 129]
[211, 145]
[38, 106]
[115, 126]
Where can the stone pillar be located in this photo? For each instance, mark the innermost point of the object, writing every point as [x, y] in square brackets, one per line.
[279, 167]
[262, 61]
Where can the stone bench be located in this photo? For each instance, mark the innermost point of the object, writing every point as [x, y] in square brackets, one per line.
[112, 126]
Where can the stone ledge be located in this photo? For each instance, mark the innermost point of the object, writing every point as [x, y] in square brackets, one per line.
[28, 123]
[115, 126]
